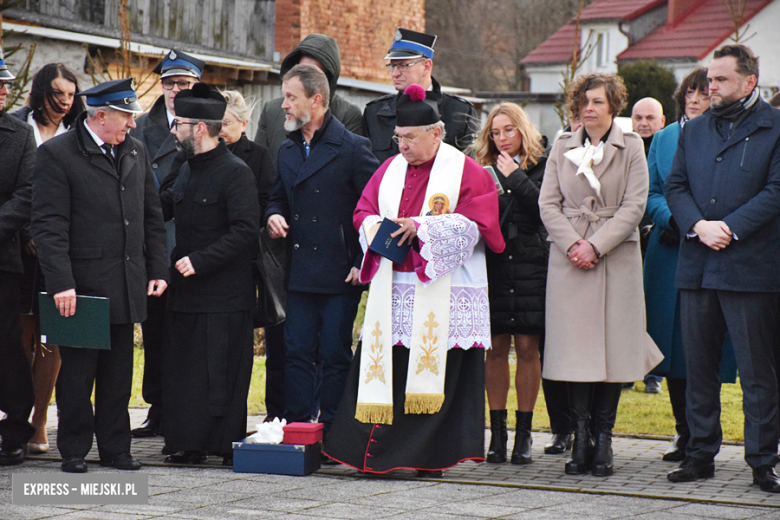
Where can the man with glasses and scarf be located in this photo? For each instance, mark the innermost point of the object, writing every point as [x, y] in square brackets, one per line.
[411, 62]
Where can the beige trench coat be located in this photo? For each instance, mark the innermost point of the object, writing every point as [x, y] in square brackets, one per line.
[595, 319]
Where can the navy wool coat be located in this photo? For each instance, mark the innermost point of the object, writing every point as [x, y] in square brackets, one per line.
[736, 180]
[317, 195]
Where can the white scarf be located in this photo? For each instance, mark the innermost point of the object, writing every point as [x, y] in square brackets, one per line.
[585, 157]
[430, 316]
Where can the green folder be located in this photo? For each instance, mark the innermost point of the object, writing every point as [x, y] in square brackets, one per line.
[88, 328]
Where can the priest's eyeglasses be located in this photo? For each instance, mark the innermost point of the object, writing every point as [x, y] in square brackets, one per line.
[408, 140]
[509, 132]
[402, 67]
[176, 123]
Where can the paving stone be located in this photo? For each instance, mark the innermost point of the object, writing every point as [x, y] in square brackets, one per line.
[23, 512]
[277, 503]
[350, 511]
[718, 511]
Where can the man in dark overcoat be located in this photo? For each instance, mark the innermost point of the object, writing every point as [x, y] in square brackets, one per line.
[17, 150]
[724, 193]
[208, 360]
[178, 71]
[322, 170]
[98, 228]
[411, 62]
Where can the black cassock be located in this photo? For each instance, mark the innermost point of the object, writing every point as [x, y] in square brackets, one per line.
[208, 357]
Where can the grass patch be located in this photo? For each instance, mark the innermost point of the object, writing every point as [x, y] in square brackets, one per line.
[638, 413]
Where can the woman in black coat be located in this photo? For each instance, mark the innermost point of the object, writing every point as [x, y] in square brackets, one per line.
[517, 279]
[51, 110]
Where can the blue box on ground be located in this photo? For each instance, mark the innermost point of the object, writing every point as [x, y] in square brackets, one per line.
[276, 459]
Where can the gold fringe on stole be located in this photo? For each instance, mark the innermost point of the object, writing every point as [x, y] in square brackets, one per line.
[423, 403]
[374, 413]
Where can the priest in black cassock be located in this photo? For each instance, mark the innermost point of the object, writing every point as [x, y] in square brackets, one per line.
[208, 359]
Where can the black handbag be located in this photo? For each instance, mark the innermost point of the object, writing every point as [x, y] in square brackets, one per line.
[269, 282]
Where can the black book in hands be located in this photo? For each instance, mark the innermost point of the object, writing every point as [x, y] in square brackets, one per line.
[383, 244]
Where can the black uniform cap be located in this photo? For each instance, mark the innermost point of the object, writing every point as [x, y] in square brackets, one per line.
[177, 63]
[411, 44]
[200, 102]
[117, 93]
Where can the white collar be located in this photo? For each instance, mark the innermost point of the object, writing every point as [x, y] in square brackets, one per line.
[37, 132]
[97, 139]
[171, 117]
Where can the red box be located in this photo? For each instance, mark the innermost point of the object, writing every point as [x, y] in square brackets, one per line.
[302, 433]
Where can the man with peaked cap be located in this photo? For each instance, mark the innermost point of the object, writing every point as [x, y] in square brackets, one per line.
[411, 62]
[98, 229]
[323, 52]
[178, 71]
[208, 359]
[415, 393]
[322, 169]
[17, 154]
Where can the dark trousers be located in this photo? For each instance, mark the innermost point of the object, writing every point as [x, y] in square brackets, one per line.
[556, 396]
[153, 330]
[749, 318]
[330, 318]
[16, 386]
[111, 371]
[274, 371]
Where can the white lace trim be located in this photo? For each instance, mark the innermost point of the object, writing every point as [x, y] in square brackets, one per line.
[448, 242]
[367, 222]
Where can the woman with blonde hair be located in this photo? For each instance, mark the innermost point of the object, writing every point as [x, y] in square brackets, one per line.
[511, 145]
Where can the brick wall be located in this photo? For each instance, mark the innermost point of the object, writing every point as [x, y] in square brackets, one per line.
[364, 29]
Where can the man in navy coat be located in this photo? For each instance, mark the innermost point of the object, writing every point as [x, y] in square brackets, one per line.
[322, 169]
[724, 193]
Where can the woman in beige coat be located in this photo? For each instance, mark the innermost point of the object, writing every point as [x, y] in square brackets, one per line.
[591, 201]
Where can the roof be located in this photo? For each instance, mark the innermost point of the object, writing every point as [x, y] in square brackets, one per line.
[694, 35]
[558, 47]
[140, 48]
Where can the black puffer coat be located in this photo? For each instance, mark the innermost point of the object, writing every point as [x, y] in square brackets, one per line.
[517, 278]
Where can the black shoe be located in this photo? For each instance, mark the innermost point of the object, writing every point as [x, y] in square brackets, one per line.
[424, 473]
[653, 386]
[74, 464]
[692, 469]
[123, 461]
[559, 443]
[766, 478]
[602, 455]
[498, 437]
[581, 451]
[187, 457]
[12, 453]
[676, 453]
[327, 461]
[521, 453]
[149, 428]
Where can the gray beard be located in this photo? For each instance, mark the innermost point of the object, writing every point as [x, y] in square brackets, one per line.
[291, 125]
[188, 145]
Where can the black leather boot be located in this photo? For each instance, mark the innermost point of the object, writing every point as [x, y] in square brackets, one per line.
[580, 398]
[521, 453]
[606, 400]
[676, 453]
[498, 437]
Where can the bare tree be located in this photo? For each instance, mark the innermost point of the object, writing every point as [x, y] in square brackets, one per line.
[19, 86]
[736, 9]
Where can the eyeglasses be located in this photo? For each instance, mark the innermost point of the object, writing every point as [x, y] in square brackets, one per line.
[402, 67]
[168, 84]
[408, 140]
[9, 84]
[176, 123]
[496, 134]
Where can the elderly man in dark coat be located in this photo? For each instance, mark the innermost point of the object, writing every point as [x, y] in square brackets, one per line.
[98, 228]
[322, 171]
[208, 361]
[178, 71]
[724, 193]
[411, 62]
[17, 150]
